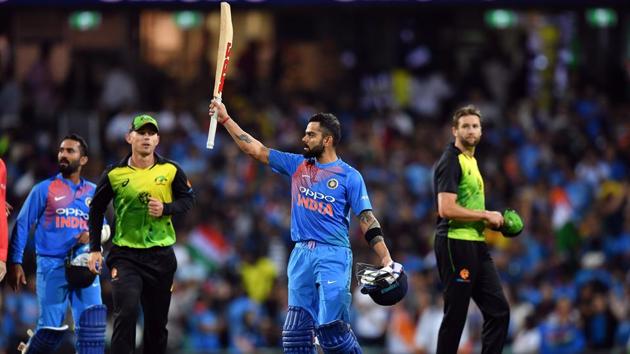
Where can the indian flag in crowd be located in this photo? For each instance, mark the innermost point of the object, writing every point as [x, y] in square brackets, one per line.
[209, 246]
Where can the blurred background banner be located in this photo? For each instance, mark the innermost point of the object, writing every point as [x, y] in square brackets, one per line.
[552, 80]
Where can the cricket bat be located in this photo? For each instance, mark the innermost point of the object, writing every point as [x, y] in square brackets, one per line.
[223, 59]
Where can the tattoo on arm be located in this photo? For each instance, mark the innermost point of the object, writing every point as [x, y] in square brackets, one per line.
[244, 137]
[367, 218]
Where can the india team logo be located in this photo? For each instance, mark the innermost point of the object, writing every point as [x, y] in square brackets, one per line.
[332, 183]
[88, 201]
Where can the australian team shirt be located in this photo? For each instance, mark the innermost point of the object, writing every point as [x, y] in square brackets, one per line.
[130, 189]
[458, 173]
[322, 196]
[59, 211]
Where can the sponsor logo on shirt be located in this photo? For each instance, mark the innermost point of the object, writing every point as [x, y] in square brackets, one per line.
[144, 197]
[315, 201]
[72, 218]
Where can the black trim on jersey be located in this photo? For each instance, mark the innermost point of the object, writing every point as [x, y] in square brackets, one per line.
[183, 195]
[446, 177]
[102, 196]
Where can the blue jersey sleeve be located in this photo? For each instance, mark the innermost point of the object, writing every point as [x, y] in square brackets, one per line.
[283, 162]
[357, 193]
[30, 213]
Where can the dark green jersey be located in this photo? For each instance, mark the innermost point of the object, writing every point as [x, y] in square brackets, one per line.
[130, 189]
[458, 173]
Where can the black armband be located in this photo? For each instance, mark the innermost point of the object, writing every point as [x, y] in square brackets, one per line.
[372, 233]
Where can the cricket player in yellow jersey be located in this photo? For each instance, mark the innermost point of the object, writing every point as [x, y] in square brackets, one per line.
[147, 190]
[464, 263]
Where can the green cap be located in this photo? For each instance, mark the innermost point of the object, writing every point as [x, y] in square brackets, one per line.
[512, 223]
[142, 120]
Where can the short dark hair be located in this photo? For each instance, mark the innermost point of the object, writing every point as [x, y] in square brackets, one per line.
[330, 123]
[468, 110]
[83, 147]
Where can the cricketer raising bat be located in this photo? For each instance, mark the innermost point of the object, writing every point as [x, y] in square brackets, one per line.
[223, 59]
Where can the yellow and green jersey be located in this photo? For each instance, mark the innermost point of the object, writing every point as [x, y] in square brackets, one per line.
[458, 173]
[130, 189]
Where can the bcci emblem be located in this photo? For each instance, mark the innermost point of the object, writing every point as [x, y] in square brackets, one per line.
[88, 201]
[160, 180]
[332, 183]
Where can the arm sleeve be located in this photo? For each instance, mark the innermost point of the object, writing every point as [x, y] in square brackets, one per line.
[4, 227]
[283, 162]
[30, 213]
[447, 175]
[102, 196]
[183, 195]
[357, 193]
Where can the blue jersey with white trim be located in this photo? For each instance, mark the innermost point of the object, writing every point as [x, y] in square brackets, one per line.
[321, 197]
[59, 210]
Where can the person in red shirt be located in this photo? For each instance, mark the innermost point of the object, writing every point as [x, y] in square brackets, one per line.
[4, 228]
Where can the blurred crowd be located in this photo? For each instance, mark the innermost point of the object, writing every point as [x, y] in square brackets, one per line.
[562, 161]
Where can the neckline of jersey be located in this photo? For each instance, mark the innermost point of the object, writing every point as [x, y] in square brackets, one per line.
[336, 162]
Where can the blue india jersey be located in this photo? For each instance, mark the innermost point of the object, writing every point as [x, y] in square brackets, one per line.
[59, 210]
[322, 196]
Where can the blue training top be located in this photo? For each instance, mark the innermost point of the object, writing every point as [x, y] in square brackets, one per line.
[60, 209]
[321, 197]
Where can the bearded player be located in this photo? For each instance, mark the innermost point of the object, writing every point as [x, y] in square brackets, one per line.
[463, 259]
[58, 208]
[324, 189]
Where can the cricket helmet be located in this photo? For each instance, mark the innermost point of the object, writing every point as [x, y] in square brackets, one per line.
[380, 284]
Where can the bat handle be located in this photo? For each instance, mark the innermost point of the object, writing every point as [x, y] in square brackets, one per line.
[212, 130]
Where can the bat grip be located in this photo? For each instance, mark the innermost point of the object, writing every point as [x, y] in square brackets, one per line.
[212, 130]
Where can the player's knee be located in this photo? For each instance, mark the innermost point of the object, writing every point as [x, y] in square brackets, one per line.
[337, 338]
[298, 331]
[503, 316]
[91, 330]
[126, 312]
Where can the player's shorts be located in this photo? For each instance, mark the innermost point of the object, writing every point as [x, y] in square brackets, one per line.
[319, 280]
[53, 294]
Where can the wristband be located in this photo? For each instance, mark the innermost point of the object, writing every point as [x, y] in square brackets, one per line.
[373, 233]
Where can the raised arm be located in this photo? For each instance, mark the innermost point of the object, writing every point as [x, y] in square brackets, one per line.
[374, 236]
[245, 142]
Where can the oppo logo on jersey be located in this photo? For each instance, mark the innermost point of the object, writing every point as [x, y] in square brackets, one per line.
[72, 218]
[316, 195]
[311, 201]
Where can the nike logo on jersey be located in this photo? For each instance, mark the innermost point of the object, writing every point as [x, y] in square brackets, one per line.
[331, 282]
[59, 198]
[125, 183]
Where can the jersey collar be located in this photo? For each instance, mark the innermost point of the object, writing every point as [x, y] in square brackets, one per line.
[324, 165]
[69, 182]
